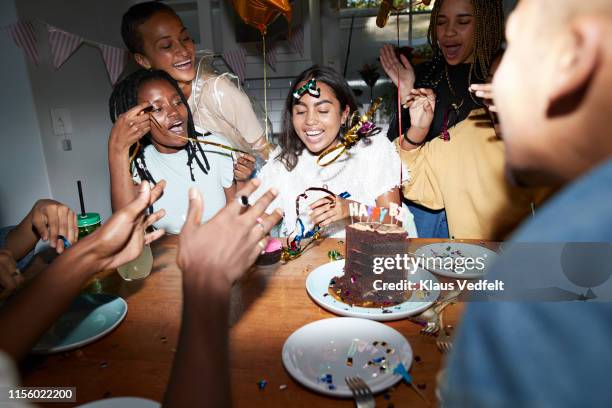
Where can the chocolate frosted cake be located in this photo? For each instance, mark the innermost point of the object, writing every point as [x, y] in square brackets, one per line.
[364, 242]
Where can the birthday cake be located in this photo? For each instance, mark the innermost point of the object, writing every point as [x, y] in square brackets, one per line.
[366, 241]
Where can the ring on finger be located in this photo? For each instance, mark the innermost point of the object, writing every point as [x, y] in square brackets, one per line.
[262, 245]
[16, 273]
[242, 200]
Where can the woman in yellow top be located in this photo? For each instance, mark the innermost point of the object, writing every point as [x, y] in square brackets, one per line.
[466, 175]
[464, 36]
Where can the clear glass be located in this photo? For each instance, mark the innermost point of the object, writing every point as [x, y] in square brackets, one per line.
[139, 268]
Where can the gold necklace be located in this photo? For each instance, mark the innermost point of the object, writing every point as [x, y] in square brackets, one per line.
[450, 86]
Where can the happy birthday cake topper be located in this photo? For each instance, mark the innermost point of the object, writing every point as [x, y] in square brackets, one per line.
[396, 213]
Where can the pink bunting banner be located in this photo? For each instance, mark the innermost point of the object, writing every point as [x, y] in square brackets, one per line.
[114, 59]
[236, 59]
[62, 44]
[22, 33]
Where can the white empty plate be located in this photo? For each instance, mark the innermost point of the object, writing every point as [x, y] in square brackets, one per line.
[122, 402]
[321, 354]
[438, 255]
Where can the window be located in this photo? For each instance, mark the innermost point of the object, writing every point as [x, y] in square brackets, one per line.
[358, 28]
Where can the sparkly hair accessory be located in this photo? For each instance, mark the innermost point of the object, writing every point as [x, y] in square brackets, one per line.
[310, 87]
[362, 127]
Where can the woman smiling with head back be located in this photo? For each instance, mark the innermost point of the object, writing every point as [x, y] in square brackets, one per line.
[157, 39]
[370, 172]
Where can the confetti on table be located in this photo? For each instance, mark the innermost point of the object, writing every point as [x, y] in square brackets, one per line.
[334, 255]
[261, 384]
[282, 387]
[104, 364]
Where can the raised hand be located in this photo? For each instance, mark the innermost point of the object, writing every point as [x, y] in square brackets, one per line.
[129, 128]
[422, 105]
[400, 71]
[221, 250]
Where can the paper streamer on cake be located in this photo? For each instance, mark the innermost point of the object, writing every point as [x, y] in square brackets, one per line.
[114, 59]
[22, 33]
[63, 45]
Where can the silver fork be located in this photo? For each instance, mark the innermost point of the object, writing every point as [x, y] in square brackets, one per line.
[432, 327]
[444, 341]
[361, 392]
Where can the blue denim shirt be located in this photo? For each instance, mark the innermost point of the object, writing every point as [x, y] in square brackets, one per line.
[512, 354]
[23, 262]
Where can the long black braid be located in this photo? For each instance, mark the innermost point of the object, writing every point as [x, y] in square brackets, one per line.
[125, 97]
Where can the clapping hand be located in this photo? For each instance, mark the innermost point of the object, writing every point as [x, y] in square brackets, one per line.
[400, 70]
[122, 238]
[422, 105]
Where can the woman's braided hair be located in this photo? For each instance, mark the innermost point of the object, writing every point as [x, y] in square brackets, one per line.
[489, 16]
[125, 97]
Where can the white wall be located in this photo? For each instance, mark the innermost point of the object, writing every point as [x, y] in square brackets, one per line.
[82, 86]
[22, 163]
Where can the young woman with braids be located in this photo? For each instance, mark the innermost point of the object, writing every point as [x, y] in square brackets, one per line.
[465, 35]
[151, 121]
[456, 158]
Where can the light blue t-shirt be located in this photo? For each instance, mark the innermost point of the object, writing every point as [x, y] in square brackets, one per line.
[173, 168]
[541, 354]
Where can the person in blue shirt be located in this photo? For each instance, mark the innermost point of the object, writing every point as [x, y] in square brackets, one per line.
[555, 121]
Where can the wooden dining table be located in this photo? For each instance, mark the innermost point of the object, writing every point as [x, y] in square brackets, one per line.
[267, 306]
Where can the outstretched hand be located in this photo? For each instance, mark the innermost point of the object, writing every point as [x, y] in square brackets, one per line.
[122, 238]
[222, 249]
[400, 71]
